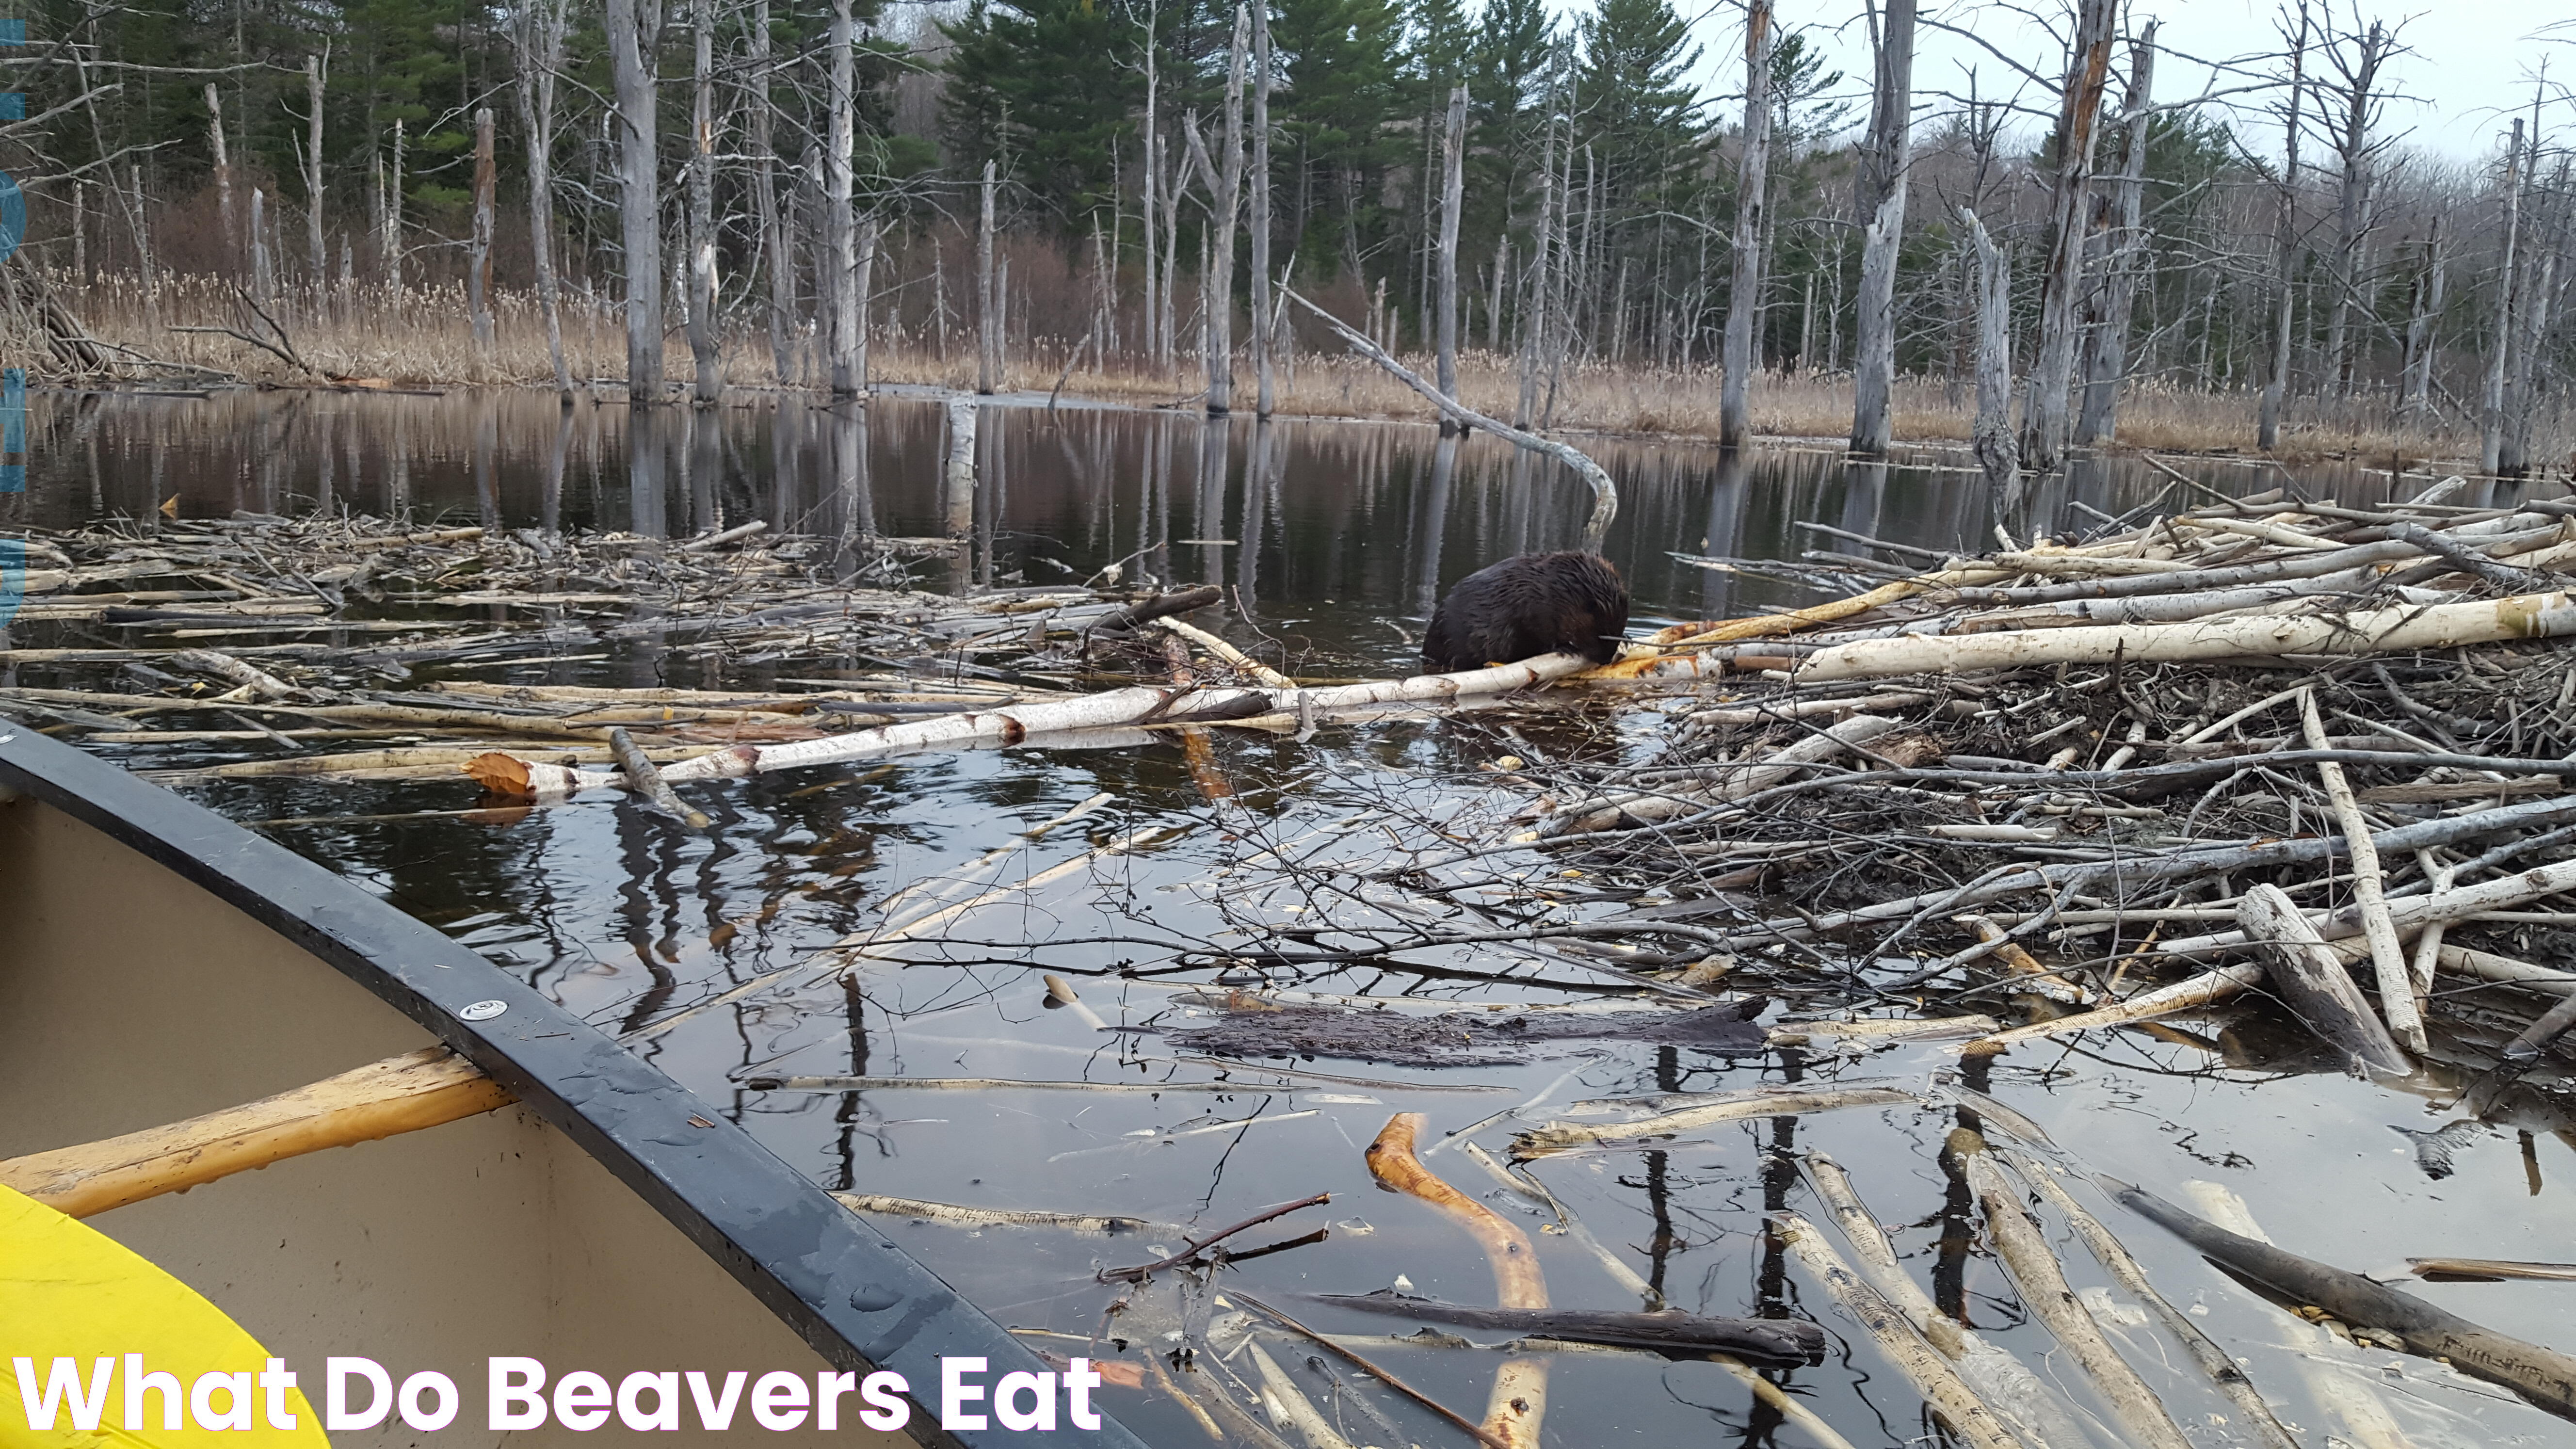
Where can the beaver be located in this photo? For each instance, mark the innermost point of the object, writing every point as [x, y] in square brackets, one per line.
[1529, 604]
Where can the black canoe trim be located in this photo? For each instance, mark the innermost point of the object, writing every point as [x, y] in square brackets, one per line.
[809, 1260]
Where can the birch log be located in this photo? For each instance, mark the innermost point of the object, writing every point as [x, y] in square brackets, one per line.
[2392, 630]
[1142, 705]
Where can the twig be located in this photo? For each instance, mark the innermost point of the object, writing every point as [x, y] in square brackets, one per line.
[1191, 1248]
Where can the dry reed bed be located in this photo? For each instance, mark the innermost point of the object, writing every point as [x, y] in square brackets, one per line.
[419, 337]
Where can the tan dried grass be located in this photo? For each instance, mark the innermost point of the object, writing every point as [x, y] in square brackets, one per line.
[419, 336]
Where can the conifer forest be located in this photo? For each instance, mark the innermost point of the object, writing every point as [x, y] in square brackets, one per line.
[1611, 213]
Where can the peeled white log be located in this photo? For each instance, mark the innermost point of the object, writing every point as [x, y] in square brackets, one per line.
[2314, 983]
[2369, 891]
[1116, 707]
[2501, 894]
[2525, 616]
[2200, 990]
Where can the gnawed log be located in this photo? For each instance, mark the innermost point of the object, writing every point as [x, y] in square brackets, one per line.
[1768, 1102]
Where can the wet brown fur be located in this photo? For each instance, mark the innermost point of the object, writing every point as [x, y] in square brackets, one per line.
[1526, 605]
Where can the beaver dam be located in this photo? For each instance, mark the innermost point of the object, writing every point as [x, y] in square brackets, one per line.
[2108, 990]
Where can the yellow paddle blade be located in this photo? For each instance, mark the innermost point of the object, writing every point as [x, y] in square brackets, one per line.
[83, 1318]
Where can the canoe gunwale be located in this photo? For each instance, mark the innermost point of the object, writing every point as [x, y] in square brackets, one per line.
[773, 1230]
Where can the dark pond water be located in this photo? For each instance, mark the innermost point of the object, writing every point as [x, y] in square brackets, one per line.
[1335, 537]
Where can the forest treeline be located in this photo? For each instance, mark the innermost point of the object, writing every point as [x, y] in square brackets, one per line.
[783, 185]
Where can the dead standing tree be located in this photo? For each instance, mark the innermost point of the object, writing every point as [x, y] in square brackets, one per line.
[2491, 423]
[2285, 243]
[703, 347]
[634, 31]
[1263, 331]
[840, 302]
[1751, 179]
[1453, 152]
[1225, 201]
[478, 253]
[2052, 368]
[1880, 179]
[2355, 89]
[317, 71]
[1993, 436]
[2106, 338]
[537, 40]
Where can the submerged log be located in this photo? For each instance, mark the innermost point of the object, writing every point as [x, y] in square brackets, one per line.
[2544, 1376]
[1781, 1341]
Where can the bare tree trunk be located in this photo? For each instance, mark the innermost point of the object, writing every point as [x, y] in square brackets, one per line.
[1993, 435]
[2522, 399]
[1154, 279]
[777, 241]
[223, 171]
[1751, 178]
[1881, 176]
[263, 275]
[838, 300]
[2491, 426]
[539, 33]
[393, 247]
[1225, 193]
[316, 70]
[634, 29]
[1261, 304]
[2052, 370]
[2286, 248]
[2415, 385]
[2356, 84]
[478, 252]
[862, 281]
[1453, 200]
[703, 347]
[2109, 345]
[988, 338]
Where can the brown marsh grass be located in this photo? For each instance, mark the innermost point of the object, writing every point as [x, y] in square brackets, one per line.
[419, 336]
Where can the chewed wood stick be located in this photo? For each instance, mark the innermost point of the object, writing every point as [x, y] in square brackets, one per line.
[1518, 1404]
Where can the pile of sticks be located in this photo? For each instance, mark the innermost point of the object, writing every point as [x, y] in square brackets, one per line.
[2249, 745]
[284, 642]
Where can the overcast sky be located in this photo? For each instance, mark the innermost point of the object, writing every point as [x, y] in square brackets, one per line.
[2469, 59]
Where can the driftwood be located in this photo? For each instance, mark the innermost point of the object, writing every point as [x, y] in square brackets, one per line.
[1783, 1341]
[2544, 1376]
[2011, 1388]
[1959, 1406]
[1518, 1403]
[2025, 1253]
[1768, 1102]
[643, 778]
